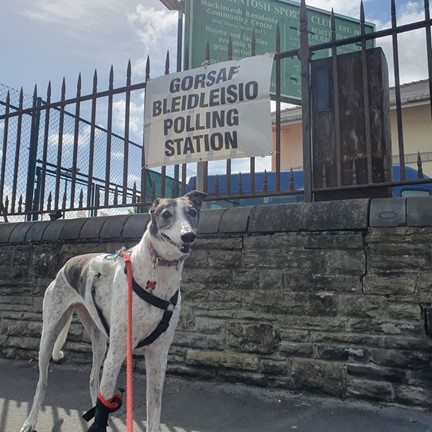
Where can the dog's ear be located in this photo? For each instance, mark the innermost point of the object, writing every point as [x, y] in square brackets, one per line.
[196, 197]
[154, 205]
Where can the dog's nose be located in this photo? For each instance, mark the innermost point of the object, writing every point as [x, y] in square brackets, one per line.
[188, 237]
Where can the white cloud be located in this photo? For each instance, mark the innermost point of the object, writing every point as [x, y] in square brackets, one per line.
[411, 45]
[155, 28]
[339, 6]
[83, 11]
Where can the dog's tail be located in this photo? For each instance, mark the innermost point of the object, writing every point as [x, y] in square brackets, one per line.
[57, 353]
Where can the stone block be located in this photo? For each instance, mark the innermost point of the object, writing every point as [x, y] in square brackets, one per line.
[278, 218]
[92, 227]
[390, 284]
[235, 219]
[388, 212]
[419, 211]
[253, 337]
[53, 230]
[210, 221]
[222, 359]
[292, 349]
[374, 390]
[18, 235]
[72, 229]
[410, 395]
[135, 226]
[113, 227]
[35, 233]
[341, 353]
[340, 215]
[376, 373]
[6, 230]
[319, 376]
[225, 259]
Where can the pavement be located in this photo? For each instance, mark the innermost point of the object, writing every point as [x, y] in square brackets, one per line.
[195, 406]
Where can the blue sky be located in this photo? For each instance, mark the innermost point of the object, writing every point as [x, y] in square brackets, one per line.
[51, 39]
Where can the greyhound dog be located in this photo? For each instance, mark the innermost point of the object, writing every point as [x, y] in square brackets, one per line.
[95, 287]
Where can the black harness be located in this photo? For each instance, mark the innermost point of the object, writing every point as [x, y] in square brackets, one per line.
[166, 305]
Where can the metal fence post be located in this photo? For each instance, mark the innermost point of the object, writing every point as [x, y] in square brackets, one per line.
[304, 55]
[31, 170]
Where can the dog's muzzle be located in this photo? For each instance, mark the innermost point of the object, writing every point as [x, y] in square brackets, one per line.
[188, 239]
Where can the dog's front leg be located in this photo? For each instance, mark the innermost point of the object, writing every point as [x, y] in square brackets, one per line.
[156, 362]
[108, 402]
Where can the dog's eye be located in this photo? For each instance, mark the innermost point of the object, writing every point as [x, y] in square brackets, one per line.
[193, 212]
[166, 214]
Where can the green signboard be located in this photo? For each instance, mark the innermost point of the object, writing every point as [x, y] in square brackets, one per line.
[216, 21]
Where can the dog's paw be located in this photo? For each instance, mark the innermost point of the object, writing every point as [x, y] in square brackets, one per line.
[27, 428]
[58, 356]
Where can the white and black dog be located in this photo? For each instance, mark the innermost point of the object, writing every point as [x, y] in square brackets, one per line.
[95, 287]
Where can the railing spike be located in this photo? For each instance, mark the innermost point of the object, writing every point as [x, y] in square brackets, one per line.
[217, 185]
[129, 72]
[95, 80]
[291, 180]
[115, 200]
[167, 63]
[419, 166]
[147, 69]
[278, 37]
[265, 182]
[81, 199]
[111, 76]
[153, 192]
[207, 53]
[354, 172]
[49, 202]
[253, 44]
[134, 193]
[324, 176]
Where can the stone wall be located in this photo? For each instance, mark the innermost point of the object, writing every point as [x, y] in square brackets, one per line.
[322, 297]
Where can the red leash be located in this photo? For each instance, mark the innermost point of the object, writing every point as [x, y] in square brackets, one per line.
[129, 348]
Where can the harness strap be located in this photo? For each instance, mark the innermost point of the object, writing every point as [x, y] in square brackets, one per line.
[98, 309]
[152, 299]
[165, 305]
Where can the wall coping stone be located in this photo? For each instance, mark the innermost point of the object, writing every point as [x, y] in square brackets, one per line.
[343, 215]
[135, 225]
[388, 212]
[110, 229]
[235, 219]
[419, 211]
[72, 230]
[18, 235]
[53, 230]
[92, 227]
[35, 233]
[6, 230]
[210, 221]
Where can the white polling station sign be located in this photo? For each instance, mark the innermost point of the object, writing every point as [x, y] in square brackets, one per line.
[219, 111]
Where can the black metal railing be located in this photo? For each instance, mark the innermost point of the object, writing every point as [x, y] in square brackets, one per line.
[72, 157]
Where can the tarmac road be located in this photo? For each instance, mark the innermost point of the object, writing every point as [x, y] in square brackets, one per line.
[195, 406]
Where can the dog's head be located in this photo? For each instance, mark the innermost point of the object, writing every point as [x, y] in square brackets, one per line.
[174, 222]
